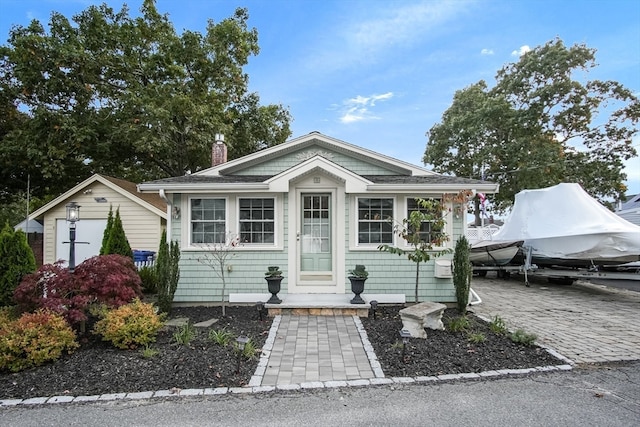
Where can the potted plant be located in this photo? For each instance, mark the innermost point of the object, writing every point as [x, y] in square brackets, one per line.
[273, 276]
[357, 277]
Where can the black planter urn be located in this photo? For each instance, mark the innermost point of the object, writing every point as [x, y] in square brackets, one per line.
[357, 287]
[274, 287]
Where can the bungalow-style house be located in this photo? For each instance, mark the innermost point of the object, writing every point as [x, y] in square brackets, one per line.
[314, 206]
[143, 216]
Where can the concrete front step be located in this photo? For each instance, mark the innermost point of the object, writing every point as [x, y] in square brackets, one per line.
[318, 304]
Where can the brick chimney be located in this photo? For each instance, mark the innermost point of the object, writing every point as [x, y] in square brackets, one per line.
[218, 151]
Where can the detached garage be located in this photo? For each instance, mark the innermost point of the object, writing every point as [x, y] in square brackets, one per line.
[144, 216]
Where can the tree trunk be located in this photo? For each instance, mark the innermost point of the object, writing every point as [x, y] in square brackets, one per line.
[417, 276]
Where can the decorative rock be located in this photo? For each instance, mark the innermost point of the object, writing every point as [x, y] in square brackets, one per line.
[420, 316]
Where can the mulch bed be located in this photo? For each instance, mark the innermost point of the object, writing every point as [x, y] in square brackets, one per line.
[445, 352]
[99, 368]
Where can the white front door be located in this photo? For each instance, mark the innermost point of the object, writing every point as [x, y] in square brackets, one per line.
[315, 253]
[316, 240]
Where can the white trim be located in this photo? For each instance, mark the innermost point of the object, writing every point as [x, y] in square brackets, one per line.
[352, 182]
[448, 218]
[200, 187]
[322, 140]
[232, 221]
[354, 245]
[337, 191]
[431, 188]
[188, 237]
[278, 233]
[104, 181]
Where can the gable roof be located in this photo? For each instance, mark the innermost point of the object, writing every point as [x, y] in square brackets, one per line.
[403, 177]
[315, 139]
[150, 201]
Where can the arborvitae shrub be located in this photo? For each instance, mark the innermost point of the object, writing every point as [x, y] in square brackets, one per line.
[130, 326]
[34, 339]
[168, 272]
[149, 279]
[117, 242]
[107, 232]
[16, 261]
[462, 272]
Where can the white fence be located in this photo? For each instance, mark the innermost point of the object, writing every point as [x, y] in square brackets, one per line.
[147, 263]
[481, 233]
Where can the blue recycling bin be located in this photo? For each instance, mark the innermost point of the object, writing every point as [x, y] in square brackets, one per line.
[143, 256]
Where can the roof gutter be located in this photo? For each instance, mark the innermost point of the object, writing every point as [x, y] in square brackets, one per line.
[202, 188]
[412, 188]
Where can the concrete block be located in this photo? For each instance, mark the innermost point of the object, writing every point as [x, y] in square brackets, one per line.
[420, 316]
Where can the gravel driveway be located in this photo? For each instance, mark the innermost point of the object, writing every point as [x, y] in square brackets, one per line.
[584, 322]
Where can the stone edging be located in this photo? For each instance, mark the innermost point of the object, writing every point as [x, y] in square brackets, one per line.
[262, 389]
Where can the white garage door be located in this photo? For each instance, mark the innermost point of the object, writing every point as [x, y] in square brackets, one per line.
[88, 239]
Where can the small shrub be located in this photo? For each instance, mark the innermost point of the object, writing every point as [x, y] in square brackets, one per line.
[33, 339]
[498, 325]
[249, 351]
[477, 338]
[116, 241]
[16, 261]
[109, 279]
[149, 279]
[149, 352]
[168, 272]
[130, 325]
[462, 273]
[398, 345]
[7, 315]
[185, 334]
[458, 324]
[53, 288]
[221, 337]
[522, 337]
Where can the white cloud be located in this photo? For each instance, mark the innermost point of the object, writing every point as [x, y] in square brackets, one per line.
[486, 52]
[359, 108]
[365, 37]
[523, 49]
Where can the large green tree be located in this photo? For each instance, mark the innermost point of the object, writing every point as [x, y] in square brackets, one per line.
[541, 124]
[127, 96]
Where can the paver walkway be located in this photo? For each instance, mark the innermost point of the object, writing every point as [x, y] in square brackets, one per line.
[586, 323]
[316, 348]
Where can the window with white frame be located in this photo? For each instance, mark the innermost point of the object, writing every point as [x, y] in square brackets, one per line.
[257, 220]
[208, 221]
[374, 225]
[429, 231]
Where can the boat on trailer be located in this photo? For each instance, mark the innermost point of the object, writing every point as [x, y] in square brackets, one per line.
[494, 252]
[564, 226]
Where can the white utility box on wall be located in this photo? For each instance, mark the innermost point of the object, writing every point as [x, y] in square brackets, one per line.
[443, 269]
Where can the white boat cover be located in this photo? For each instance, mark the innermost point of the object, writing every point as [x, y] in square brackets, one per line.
[563, 221]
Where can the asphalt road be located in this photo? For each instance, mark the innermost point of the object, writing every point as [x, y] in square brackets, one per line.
[594, 396]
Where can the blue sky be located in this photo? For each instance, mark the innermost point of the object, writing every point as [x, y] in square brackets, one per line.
[380, 74]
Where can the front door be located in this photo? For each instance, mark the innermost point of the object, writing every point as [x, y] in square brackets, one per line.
[316, 240]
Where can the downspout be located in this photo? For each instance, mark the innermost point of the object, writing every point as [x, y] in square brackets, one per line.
[164, 197]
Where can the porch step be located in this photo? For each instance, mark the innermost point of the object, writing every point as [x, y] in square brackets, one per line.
[318, 304]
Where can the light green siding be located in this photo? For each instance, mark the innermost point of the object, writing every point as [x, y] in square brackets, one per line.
[276, 166]
[388, 273]
[392, 274]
